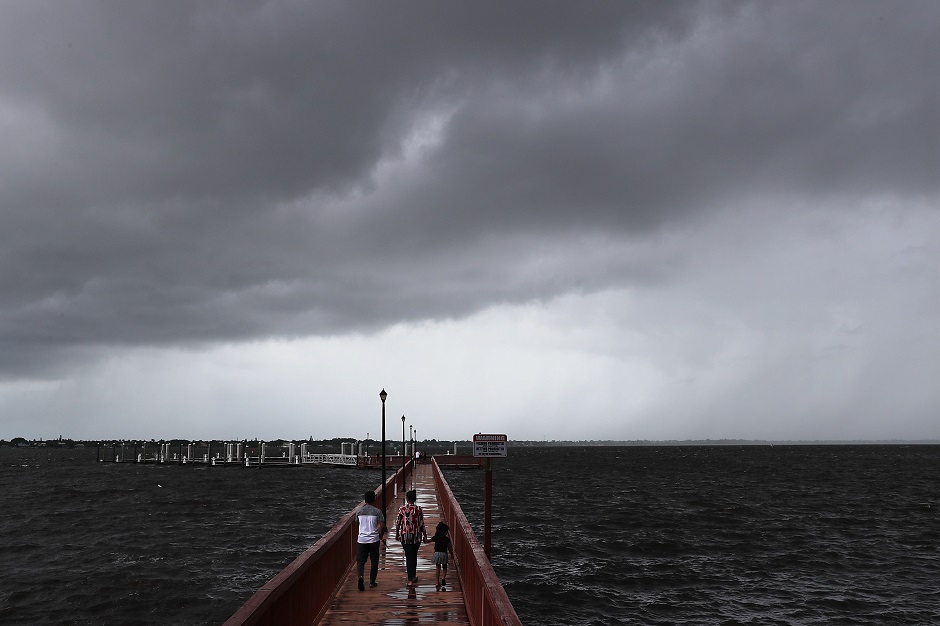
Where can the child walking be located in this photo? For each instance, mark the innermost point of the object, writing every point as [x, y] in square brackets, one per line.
[441, 544]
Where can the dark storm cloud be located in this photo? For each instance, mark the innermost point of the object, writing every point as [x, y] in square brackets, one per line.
[810, 103]
[177, 172]
[164, 100]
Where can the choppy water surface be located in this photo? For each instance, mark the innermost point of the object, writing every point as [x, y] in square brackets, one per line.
[641, 535]
[716, 535]
[101, 543]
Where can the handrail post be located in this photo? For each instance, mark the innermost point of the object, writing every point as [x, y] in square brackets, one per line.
[487, 507]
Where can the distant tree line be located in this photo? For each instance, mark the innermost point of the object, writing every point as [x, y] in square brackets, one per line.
[334, 444]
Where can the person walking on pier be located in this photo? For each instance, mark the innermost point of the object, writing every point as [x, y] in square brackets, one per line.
[410, 530]
[441, 544]
[371, 528]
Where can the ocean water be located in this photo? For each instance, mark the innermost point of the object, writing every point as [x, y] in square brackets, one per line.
[716, 535]
[83, 542]
[609, 535]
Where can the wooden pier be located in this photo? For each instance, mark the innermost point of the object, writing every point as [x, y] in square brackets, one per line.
[392, 602]
[320, 586]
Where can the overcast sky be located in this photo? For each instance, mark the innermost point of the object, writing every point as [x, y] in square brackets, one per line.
[579, 220]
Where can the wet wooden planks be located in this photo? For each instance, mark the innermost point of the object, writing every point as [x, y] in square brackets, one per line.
[392, 602]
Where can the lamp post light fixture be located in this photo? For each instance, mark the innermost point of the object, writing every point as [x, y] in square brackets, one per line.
[403, 454]
[383, 395]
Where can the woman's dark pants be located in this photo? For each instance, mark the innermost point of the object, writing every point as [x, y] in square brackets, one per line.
[411, 559]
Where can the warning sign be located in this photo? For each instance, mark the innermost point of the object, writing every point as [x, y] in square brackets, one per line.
[489, 445]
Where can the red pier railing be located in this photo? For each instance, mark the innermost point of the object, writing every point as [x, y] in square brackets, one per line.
[299, 594]
[303, 591]
[486, 600]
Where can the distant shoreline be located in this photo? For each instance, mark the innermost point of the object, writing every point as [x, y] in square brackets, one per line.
[734, 442]
[432, 445]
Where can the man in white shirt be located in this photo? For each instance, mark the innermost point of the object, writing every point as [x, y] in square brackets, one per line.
[371, 528]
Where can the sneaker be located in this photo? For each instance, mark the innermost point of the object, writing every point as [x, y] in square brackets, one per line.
[362, 587]
[373, 584]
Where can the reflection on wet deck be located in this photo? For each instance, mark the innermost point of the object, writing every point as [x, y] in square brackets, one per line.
[392, 602]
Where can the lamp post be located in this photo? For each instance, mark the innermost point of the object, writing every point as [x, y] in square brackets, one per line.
[383, 395]
[403, 454]
[414, 453]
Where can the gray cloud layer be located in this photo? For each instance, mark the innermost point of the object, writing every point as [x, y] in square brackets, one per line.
[177, 172]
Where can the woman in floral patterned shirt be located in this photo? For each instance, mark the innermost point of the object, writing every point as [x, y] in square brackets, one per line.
[409, 528]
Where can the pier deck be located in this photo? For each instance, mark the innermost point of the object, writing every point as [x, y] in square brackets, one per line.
[392, 602]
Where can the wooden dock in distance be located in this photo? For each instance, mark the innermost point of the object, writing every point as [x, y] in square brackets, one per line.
[392, 602]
